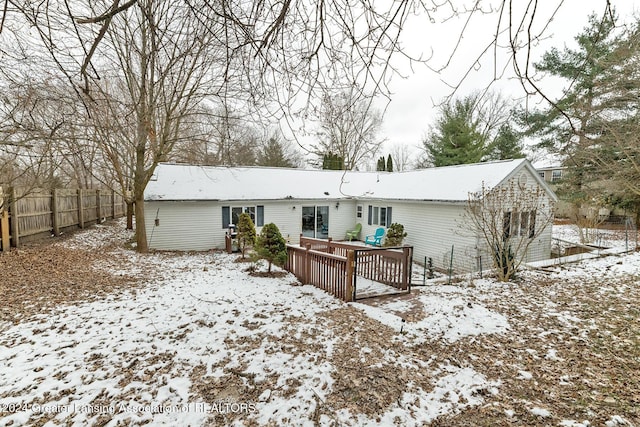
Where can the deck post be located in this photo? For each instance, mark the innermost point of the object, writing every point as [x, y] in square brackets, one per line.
[406, 273]
[307, 264]
[349, 279]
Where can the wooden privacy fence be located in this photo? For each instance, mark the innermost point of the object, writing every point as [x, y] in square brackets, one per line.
[335, 267]
[50, 211]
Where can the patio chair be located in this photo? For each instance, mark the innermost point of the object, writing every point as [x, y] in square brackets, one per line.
[375, 239]
[353, 234]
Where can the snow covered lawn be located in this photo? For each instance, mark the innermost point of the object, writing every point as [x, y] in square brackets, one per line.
[194, 339]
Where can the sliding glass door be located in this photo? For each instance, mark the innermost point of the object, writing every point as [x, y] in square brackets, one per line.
[315, 221]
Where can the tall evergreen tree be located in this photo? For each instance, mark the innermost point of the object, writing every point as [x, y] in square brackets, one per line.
[506, 145]
[276, 153]
[332, 161]
[456, 137]
[594, 123]
[380, 166]
[389, 163]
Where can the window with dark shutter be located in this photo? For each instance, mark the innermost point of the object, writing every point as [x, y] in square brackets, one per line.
[370, 217]
[260, 216]
[226, 216]
[389, 222]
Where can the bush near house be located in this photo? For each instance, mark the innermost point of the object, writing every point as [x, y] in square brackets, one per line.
[271, 246]
[395, 235]
[246, 232]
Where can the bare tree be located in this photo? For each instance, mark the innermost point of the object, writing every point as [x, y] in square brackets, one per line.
[44, 136]
[349, 129]
[402, 155]
[508, 221]
[158, 66]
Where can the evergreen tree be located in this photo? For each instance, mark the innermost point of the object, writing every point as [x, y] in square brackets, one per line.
[506, 144]
[594, 125]
[380, 167]
[277, 153]
[574, 114]
[332, 161]
[389, 163]
[246, 232]
[271, 246]
[457, 137]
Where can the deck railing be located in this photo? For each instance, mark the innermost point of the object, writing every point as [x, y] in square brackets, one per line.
[336, 266]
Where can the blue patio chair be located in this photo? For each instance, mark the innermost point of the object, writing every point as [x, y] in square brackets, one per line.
[353, 234]
[375, 239]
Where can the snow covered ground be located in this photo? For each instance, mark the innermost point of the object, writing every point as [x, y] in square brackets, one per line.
[203, 342]
[602, 237]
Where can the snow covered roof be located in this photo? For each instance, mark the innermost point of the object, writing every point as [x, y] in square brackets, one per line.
[451, 183]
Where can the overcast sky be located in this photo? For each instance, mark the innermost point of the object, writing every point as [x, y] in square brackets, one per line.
[411, 109]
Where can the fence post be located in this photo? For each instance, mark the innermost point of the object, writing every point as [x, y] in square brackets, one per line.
[4, 230]
[80, 209]
[113, 204]
[98, 207]
[349, 279]
[54, 212]
[13, 211]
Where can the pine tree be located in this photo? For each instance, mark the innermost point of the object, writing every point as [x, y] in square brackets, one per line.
[271, 246]
[278, 153]
[456, 138]
[506, 144]
[594, 124]
[332, 161]
[380, 167]
[389, 163]
[246, 232]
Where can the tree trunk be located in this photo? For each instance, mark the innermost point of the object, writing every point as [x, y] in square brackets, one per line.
[129, 214]
[141, 229]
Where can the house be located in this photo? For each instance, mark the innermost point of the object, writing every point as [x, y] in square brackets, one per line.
[190, 207]
[552, 174]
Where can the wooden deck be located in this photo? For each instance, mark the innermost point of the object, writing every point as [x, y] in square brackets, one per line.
[350, 271]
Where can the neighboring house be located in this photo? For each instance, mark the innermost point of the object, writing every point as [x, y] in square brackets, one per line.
[190, 207]
[551, 174]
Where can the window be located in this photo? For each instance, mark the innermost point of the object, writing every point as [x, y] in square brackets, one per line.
[235, 214]
[556, 175]
[521, 224]
[379, 216]
[506, 226]
[524, 223]
[230, 215]
[532, 224]
[359, 211]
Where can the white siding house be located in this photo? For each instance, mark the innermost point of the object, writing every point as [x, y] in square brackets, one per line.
[189, 207]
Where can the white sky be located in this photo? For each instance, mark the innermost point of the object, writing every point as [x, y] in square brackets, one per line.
[411, 109]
